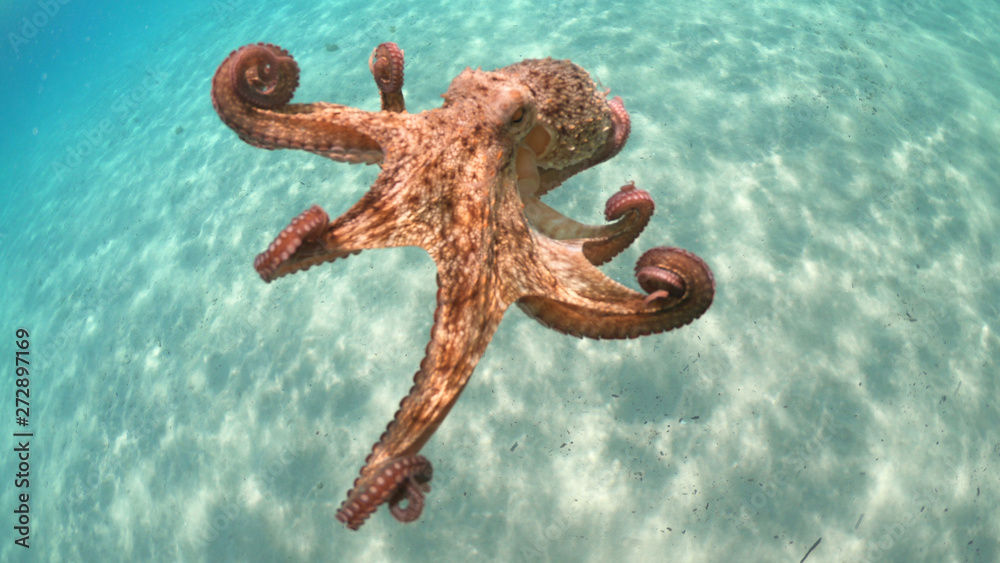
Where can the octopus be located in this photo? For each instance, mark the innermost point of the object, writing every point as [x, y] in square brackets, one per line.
[465, 183]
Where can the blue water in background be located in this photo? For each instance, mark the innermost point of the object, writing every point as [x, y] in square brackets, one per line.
[836, 164]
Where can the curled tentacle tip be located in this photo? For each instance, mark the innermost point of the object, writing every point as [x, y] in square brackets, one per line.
[386, 65]
[658, 294]
[264, 75]
[264, 270]
[628, 198]
[307, 226]
[677, 278]
[660, 283]
[401, 479]
[417, 472]
[412, 491]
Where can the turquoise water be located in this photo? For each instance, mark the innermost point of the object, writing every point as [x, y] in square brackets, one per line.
[835, 163]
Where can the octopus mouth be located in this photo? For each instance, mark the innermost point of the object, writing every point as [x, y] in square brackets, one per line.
[536, 145]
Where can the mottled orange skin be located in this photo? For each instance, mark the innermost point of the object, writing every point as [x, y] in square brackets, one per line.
[464, 183]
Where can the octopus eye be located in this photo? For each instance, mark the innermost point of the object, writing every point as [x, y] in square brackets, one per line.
[518, 116]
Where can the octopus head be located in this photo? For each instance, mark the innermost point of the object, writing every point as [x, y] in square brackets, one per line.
[574, 120]
[551, 112]
[505, 106]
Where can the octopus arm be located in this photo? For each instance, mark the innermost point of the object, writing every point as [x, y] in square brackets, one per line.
[378, 220]
[386, 66]
[629, 209]
[581, 301]
[251, 90]
[298, 247]
[465, 319]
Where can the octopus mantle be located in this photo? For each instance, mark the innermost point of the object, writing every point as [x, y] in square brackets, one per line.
[464, 182]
